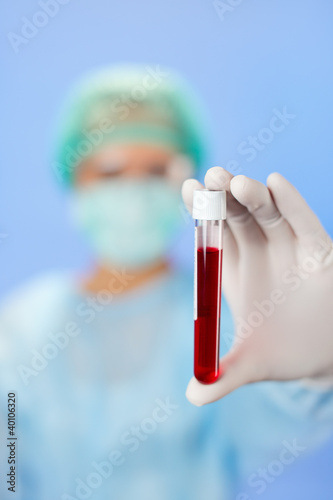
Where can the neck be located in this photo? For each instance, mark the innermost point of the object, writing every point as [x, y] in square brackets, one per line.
[102, 278]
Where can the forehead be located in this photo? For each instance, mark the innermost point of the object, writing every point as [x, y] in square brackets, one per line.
[130, 152]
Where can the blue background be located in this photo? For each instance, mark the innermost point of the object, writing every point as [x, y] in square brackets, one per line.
[259, 56]
[262, 55]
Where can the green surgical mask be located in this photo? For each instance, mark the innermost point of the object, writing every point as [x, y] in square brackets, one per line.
[128, 222]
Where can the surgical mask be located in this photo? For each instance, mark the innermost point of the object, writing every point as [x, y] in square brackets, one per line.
[128, 222]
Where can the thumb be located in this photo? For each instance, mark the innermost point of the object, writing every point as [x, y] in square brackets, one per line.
[235, 371]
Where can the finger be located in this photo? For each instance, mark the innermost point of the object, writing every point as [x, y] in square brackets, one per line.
[218, 178]
[240, 220]
[257, 199]
[234, 373]
[303, 221]
[187, 192]
[230, 245]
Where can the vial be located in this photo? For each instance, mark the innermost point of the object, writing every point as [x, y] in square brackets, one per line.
[209, 212]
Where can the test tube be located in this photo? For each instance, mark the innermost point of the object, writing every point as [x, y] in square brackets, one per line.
[209, 211]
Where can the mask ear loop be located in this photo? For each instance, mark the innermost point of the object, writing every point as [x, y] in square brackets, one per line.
[180, 169]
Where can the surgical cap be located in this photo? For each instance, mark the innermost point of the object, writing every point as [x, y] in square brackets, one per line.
[137, 104]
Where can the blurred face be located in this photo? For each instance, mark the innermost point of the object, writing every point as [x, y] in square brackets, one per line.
[133, 161]
[127, 203]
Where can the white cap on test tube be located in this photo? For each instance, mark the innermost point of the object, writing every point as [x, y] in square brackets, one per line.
[209, 205]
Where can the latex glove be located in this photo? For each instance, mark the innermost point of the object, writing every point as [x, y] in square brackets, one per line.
[278, 281]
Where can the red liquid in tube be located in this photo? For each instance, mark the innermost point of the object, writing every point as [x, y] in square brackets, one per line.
[209, 212]
[208, 311]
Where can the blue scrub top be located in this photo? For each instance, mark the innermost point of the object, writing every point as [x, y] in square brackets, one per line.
[100, 383]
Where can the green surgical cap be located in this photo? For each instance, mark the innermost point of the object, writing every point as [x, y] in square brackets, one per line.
[136, 104]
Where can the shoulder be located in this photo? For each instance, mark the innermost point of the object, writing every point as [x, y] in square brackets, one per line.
[34, 300]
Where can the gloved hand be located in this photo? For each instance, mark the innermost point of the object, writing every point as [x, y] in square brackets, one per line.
[278, 280]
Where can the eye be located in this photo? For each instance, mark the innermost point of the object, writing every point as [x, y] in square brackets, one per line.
[107, 170]
[158, 170]
[108, 174]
